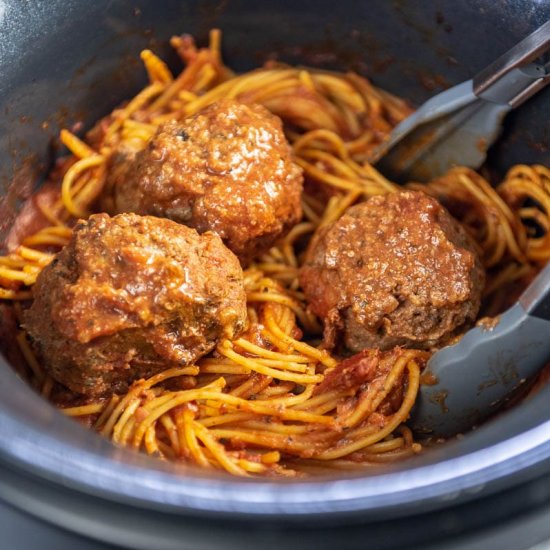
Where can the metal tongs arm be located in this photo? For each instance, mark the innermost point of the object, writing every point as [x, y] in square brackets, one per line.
[525, 52]
[457, 126]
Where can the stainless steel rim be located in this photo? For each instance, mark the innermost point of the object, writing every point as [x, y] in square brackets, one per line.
[66, 454]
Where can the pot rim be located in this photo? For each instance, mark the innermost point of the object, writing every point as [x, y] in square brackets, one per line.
[54, 448]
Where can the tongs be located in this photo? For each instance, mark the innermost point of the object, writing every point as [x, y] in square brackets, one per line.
[457, 126]
[467, 382]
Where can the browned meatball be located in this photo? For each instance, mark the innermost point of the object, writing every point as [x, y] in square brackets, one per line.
[227, 169]
[130, 296]
[395, 270]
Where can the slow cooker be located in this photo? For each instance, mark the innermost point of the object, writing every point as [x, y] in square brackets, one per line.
[71, 61]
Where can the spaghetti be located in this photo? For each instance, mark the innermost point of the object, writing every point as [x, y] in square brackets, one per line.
[273, 402]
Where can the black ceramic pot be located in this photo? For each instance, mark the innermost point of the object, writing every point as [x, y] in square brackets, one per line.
[65, 61]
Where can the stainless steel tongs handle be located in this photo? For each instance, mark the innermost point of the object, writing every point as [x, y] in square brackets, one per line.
[514, 77]
[457, 126]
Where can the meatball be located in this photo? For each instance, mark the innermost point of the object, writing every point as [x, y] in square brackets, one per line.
[228, 169]
[130, 296]
[396, 270]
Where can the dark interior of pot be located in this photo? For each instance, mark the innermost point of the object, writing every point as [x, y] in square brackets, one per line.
[65, 62]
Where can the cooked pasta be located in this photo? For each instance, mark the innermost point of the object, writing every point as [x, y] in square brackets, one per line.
[269, 402]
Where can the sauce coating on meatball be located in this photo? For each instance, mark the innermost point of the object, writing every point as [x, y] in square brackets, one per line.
[394, 270]
[130, 296]
[227, 169]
